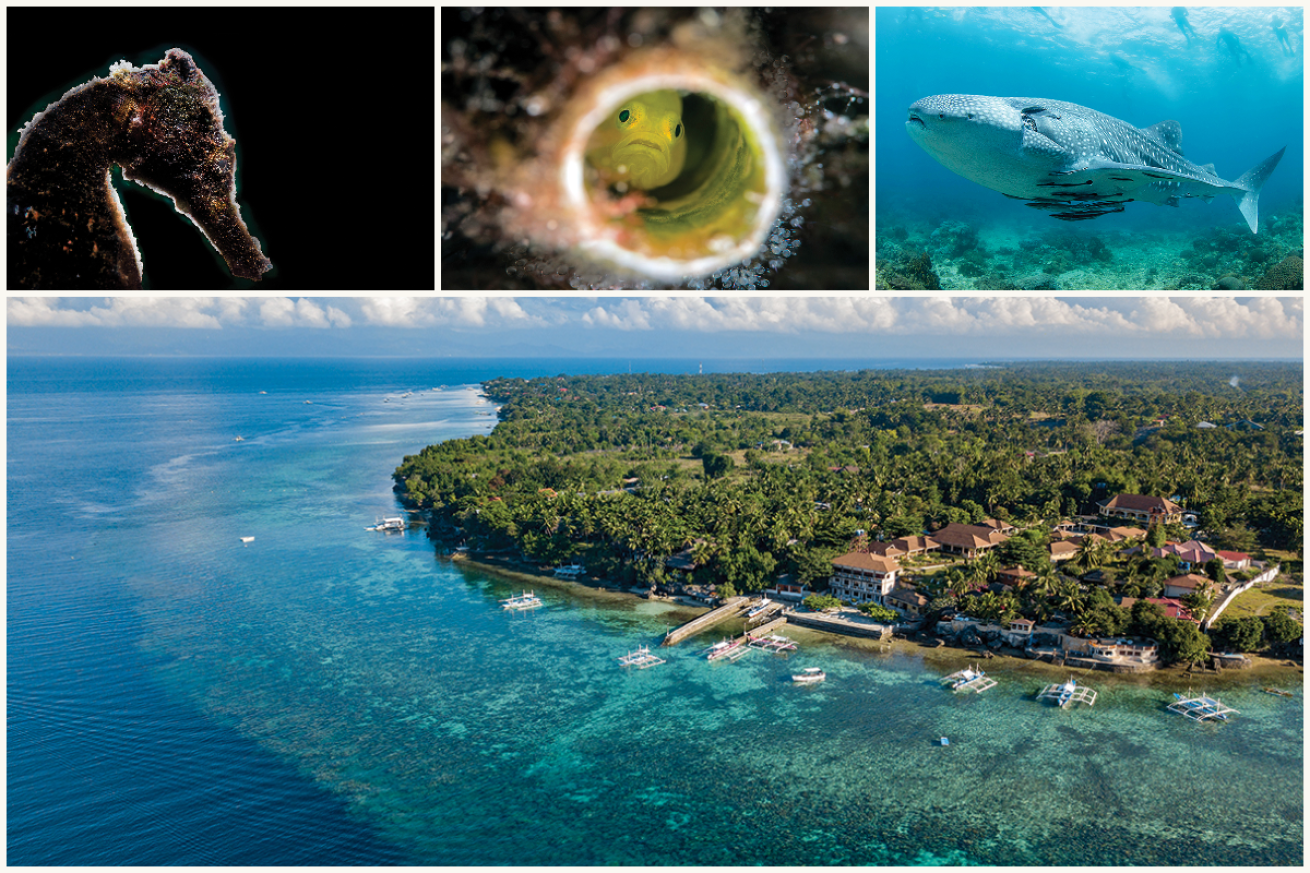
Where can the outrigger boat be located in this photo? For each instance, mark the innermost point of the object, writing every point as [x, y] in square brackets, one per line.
[773, 643]
[970, 679]
[526, 600]
[1065, 693]
[809, 676]
[1201, 708]
[730, 649]
[641, 659]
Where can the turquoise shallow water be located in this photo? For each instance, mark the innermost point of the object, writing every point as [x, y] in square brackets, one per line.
[373, 703]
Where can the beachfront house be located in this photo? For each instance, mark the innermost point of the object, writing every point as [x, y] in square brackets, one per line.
[787, 588]
[1116, 650]
[862, 577]
[1142, 509]
[908, 601]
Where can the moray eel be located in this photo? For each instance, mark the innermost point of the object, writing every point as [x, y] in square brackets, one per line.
[644, 142]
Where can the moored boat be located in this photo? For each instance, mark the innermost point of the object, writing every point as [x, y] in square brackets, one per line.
[809, 676]
[526, 600]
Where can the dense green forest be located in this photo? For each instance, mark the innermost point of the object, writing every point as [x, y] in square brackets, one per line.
[764, 474]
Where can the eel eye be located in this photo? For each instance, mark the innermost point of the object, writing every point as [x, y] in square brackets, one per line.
[624, 116]
[677, 131]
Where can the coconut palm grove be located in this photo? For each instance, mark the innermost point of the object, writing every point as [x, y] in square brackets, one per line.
[1123, 498]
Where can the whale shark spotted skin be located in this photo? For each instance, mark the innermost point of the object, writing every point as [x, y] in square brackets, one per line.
[1062, 156]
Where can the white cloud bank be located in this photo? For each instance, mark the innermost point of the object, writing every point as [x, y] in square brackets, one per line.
[1191, 318]
[1216, 317]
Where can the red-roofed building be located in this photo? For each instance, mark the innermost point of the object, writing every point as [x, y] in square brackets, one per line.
[1169, 606]
[1235, 560]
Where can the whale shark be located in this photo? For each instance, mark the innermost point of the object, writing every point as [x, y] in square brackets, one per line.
[1072, 161]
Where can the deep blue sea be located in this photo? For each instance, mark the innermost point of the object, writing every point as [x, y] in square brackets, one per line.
[1135, 64]
[326, 694]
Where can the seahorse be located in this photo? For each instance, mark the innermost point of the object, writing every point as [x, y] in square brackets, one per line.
[163, 126]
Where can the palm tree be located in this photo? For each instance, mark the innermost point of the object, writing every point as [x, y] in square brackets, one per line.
[957, 582]
[1070, 597]
[1045, 584]
[982, 569]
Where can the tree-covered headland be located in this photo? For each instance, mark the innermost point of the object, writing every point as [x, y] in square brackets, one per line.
[747, 477]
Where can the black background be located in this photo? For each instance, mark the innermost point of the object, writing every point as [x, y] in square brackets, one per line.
[333, 111]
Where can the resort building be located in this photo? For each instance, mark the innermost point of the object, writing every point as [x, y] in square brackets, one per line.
[861, 577]
[970, 540]
[1118, 650]
[907, 600]
[903, 547]
[1143, 509]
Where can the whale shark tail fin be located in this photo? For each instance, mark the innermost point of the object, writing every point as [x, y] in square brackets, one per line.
[1246, 190]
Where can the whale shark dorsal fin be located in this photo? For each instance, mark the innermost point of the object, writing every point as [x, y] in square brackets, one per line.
[1168, 133]
[1209, 168]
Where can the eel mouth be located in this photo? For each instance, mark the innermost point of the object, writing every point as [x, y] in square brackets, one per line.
[644, 142]
[914, 119]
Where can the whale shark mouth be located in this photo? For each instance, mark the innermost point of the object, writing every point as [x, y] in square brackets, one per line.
[914, 119]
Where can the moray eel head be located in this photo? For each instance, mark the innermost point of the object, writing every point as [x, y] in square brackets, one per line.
[644, 143]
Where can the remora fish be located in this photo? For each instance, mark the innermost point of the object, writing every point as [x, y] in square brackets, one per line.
[1060, 155]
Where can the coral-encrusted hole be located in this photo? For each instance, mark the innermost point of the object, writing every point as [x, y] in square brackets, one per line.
[677, 214]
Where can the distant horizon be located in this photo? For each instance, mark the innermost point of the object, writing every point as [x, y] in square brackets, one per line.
[608, 357]
[838, 328]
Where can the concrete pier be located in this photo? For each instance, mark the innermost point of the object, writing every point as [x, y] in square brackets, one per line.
[734, 607]
[768, 627]
[833, 624]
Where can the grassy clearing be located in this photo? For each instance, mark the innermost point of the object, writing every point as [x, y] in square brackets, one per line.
[1261, 601]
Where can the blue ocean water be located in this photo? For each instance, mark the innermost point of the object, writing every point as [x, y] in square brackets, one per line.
[1135, 64]
[328, 694]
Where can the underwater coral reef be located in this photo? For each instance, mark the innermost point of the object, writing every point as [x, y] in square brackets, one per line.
[914, 252]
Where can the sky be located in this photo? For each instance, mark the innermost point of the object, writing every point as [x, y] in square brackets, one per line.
[865, 327]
